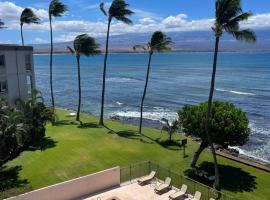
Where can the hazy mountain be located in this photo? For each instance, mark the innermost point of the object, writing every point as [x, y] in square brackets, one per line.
[183, 41]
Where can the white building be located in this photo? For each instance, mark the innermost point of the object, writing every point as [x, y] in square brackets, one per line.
[17, 76]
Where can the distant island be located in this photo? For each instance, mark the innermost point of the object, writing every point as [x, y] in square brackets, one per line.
[195, 41]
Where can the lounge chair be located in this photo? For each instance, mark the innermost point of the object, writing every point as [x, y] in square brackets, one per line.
[164, 186]
[197, 196]
[147, 178]
[179, 194]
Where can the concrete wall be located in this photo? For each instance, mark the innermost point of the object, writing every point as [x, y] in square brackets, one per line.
[15, 73]
[77, 188]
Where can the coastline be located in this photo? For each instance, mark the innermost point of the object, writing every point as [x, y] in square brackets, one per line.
[155, 124]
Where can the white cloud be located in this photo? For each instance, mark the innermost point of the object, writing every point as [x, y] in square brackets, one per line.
[39, 41]
[148, 22]
[10, 14]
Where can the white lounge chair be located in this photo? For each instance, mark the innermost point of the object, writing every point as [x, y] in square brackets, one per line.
[179, 194]
[197, 196]
[146, 179]
[164, 186]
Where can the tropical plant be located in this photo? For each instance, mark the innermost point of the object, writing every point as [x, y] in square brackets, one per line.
[228, 125]
[228, 16]
[83, 45]
[12, 133]
[119, 11]
[170, 128]
[34, 116]
[27, 17]
[56, 9]
[159, 43]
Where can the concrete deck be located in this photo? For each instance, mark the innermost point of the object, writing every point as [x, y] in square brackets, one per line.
[132, 192]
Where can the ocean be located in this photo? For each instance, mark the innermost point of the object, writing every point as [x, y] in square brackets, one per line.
[176, 79]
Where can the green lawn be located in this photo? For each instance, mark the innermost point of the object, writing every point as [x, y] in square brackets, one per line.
[71, 151]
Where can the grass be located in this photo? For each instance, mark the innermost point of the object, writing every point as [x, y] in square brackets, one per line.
[71, 150]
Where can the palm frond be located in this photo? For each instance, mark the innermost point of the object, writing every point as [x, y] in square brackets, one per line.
[2, 24]
[234, 23]
[164, 120]
[226, 10]
[101, 7]
[70, 49]
[29, 17]
[246, 35]
[86, 45]
[119, 10]
[136, 47]
[57, 8]
[159, 42]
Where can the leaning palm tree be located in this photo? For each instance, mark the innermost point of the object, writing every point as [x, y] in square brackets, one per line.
[56, 9]
[159, 43]
[229, 14]
[28, 17]
[83, 45]
[118, 10]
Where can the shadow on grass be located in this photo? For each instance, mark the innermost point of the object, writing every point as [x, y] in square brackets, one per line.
[65, 123]
[9, 178]
[83, 125]
[172, 145]
[233, 179]
[43, 144]
[130, 134]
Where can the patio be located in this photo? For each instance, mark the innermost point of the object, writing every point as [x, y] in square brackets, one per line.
[132, 191]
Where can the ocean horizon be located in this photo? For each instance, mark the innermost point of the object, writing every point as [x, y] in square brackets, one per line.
[176, 79]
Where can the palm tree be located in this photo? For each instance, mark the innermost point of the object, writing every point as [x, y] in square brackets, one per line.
[229, 14]
[159, 43]
[56, 9]
[118, 10]
[170, 128]
[28, 17]
[83, 45]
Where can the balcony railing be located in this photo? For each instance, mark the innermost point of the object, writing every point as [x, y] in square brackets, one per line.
[135, 171]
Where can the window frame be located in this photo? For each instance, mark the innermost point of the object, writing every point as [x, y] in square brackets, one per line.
[1, 87]
[4, 60]
[28, 65]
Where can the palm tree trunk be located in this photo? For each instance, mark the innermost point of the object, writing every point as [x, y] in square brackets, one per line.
[197, 154]
[144, 92]
[208, 116]
[22, 34]
[51, 54]
[79, 87]
[101, 122]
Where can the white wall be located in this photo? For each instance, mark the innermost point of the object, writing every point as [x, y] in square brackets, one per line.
[77, 188]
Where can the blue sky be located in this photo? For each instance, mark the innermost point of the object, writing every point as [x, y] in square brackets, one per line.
[85, 17]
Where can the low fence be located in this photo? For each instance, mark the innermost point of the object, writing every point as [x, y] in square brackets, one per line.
[138, 170]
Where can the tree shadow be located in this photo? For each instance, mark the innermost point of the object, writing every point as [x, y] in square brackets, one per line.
[83, 125]
[65, 123]
[231, 178]
[9, 178]
[43, 144]
[172, 145]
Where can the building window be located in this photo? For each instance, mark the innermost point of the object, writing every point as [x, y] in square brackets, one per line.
[2, 60]
[29, 84]
[28, 65]
[3, 86]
